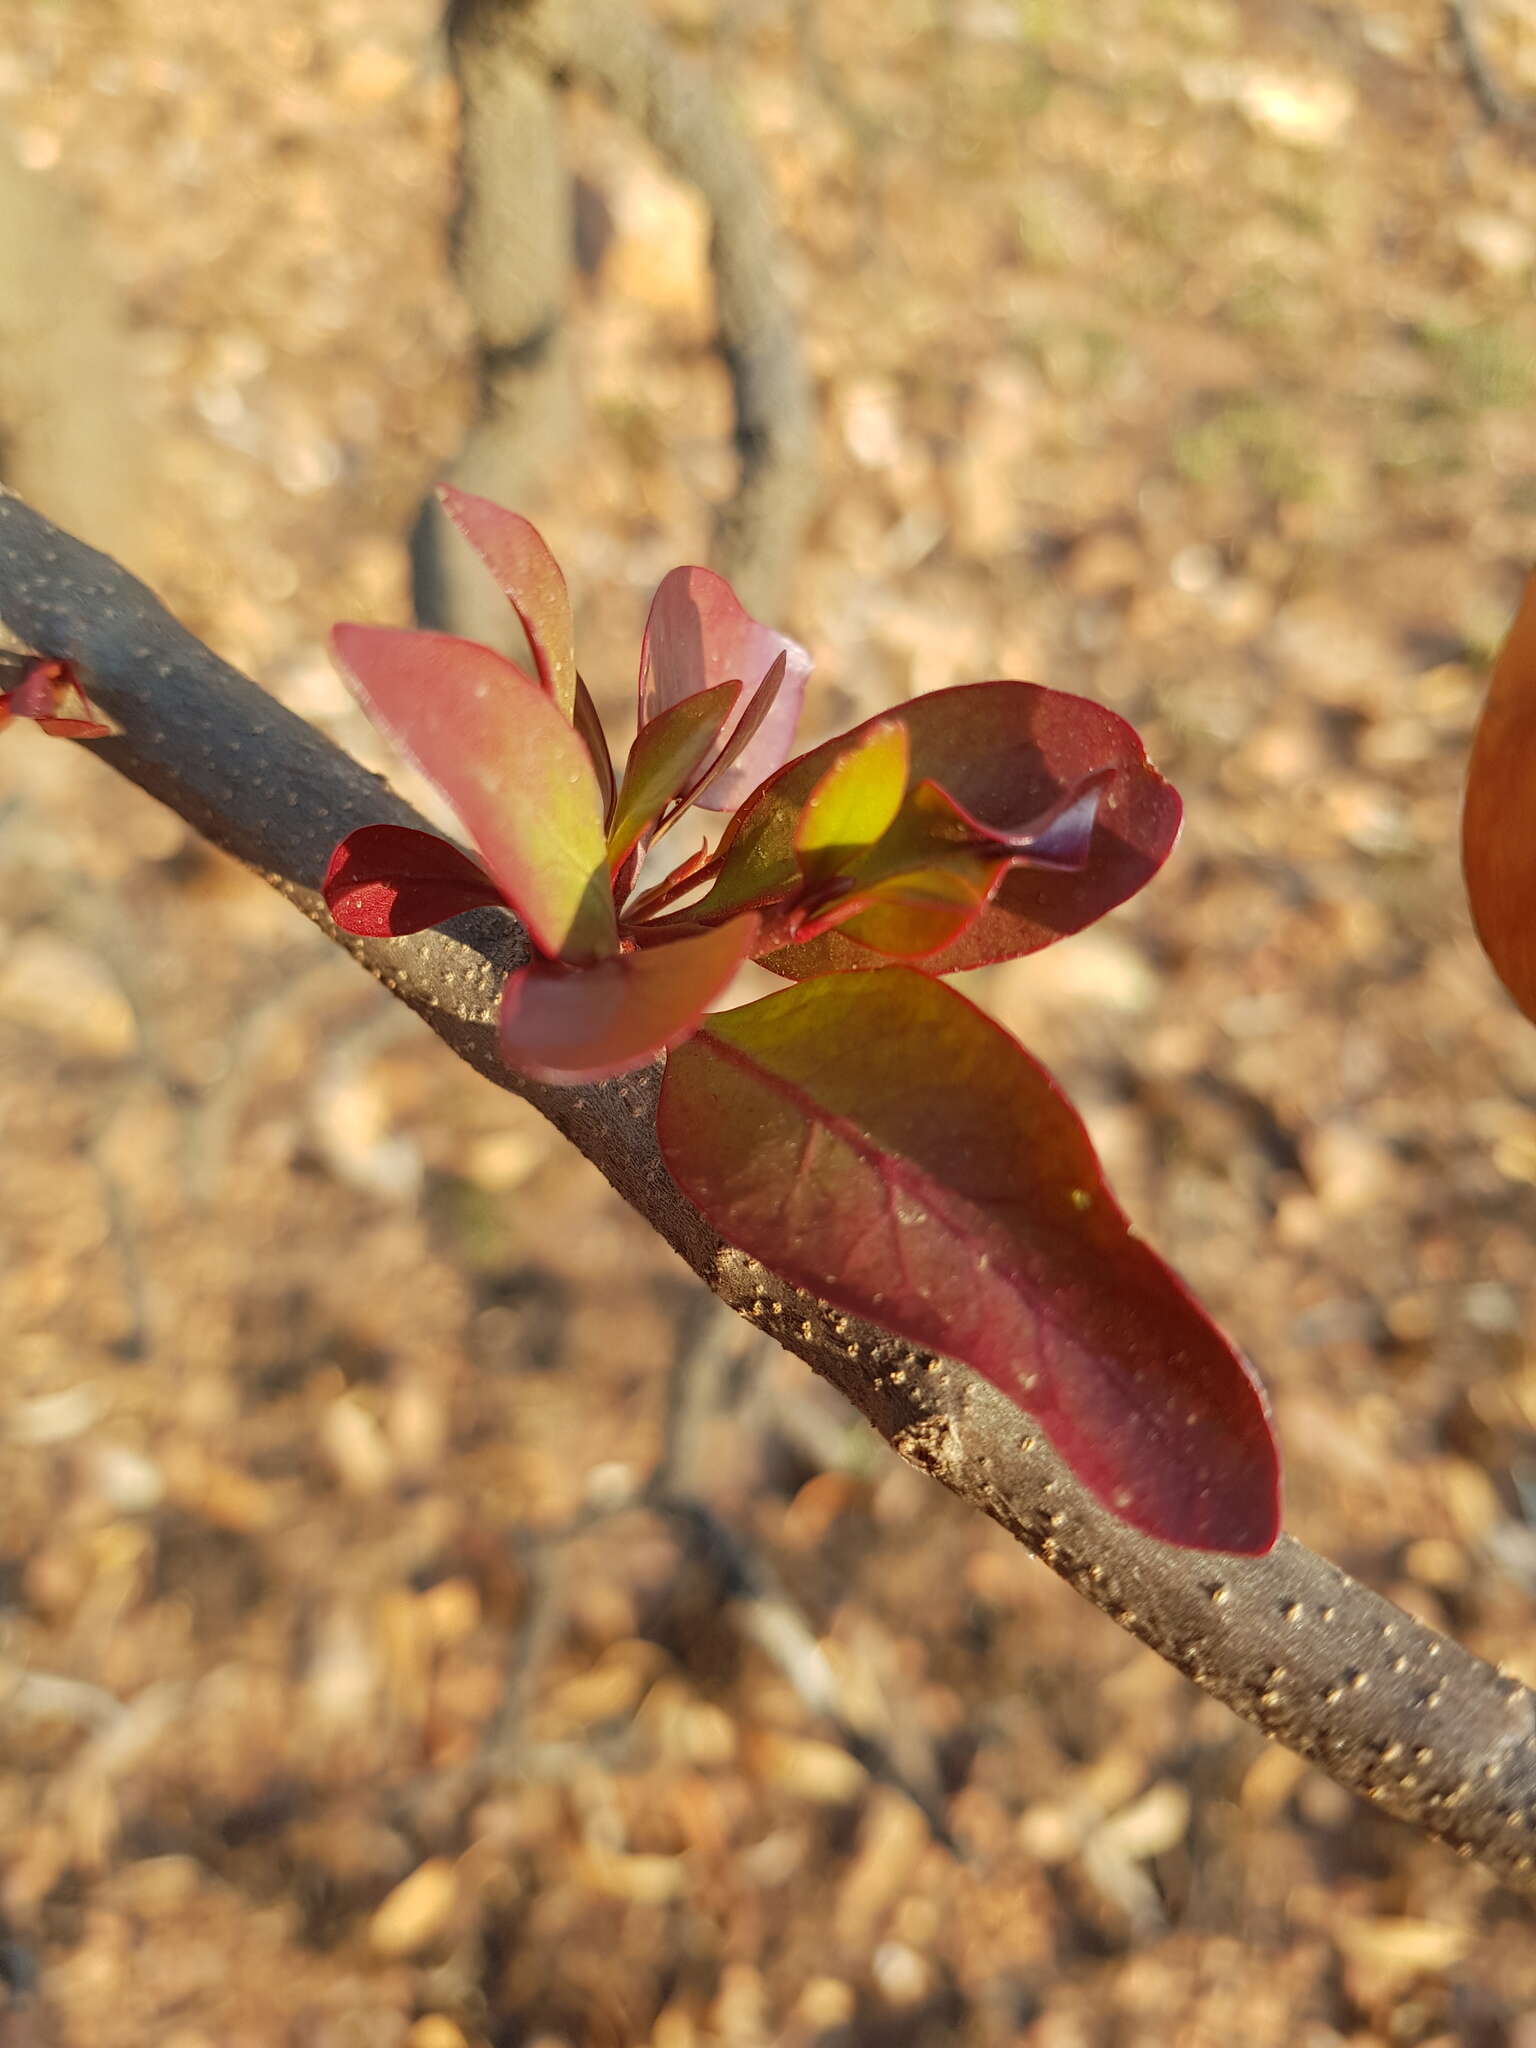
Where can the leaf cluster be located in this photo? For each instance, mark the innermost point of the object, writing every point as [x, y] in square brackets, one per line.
[868, 1133]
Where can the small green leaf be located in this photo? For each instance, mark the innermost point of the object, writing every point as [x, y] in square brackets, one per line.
[874, 1138]
[511, 766]
[666, 754]
[854, 804]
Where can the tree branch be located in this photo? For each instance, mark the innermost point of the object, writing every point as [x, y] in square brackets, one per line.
[1389, 1708]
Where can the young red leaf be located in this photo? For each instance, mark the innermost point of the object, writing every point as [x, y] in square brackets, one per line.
[879, 1141]
[586, 1024]
[1061, 836]
[511, 766]
[76, 728]
[1498, 844]
[688, 874]
[49, 695]
[697, 635]
[386, 880]
[529, 576]
[36, 696]
[1007, 754]
[666, 755]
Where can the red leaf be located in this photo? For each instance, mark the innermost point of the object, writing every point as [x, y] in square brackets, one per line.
[37, 694]
[588, 1023]
[877, 1140]
[915, 912]
[697, 635]
[1005, 753]
[1060, 837]
[386, 880]
[688, 874]
[1498, 846]
[529, 576]
[49, 694]
[76, 729]
[512, 767]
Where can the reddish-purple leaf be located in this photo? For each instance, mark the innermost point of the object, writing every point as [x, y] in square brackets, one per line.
[688, 874]
[511, 766]
[529, 576]
[586, 1024]
[76, 728]
[697, 635]
[1060, 837]
[879, 1141]
[1498, 843]
[664, 758]
[49, 695]
[386, 880]
[1006, 754]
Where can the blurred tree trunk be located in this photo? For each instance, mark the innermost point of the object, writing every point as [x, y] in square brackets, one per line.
[514, 253]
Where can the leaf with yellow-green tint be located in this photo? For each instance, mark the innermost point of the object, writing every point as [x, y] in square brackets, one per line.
[530, 578]
[854, 804]
[1008, 756]
[665, 757]
[877, 1140]
[509, 763]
